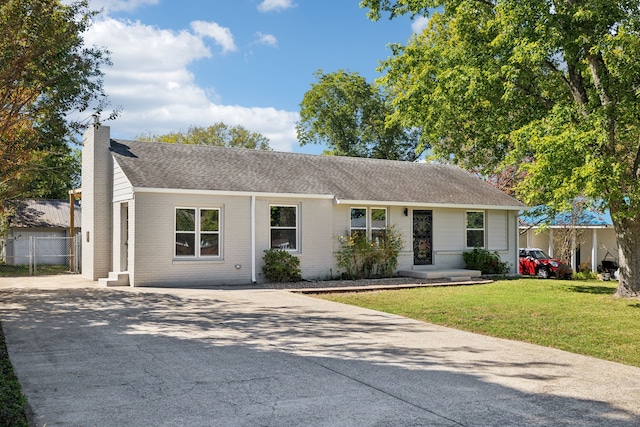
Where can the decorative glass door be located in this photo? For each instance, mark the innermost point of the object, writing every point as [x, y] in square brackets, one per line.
[422, 237]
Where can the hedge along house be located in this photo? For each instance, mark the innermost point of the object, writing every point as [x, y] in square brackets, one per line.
[157, 214]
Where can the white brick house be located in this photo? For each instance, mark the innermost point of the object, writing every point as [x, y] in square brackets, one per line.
[158, 214]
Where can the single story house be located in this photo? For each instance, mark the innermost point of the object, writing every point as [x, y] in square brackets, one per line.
[38, 230]
[593, 238]
[157, 214]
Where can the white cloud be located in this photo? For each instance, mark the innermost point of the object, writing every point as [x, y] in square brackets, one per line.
[151, 81]
[221, 35]
[266, 39]
[269, 5]
[419, 24]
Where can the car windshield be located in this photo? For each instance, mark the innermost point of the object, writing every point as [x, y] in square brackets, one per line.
[538, 254]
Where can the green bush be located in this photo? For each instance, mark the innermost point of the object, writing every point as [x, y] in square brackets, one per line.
[585, 275]
[365, 259]
[281, 266]
[485, 261]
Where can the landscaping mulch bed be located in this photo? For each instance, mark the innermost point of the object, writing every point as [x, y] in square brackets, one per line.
[365, 284]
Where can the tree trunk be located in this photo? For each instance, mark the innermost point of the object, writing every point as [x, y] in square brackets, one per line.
[628, 235]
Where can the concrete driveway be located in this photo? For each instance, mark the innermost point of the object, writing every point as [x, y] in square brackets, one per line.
[90, 356]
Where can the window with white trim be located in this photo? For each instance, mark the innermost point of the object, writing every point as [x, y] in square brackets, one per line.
[475, 229]
[197, 232]
[368, 222]
[378, 224]
[284, 227]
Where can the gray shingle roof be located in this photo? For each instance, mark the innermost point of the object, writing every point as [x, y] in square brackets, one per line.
[196, 167]
[44, 213]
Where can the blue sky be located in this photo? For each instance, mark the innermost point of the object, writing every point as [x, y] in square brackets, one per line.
[247, 62]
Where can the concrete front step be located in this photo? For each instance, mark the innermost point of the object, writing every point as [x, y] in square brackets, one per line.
[454, 274]
[115, 279]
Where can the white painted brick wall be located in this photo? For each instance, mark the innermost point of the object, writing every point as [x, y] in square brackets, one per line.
[97, 175]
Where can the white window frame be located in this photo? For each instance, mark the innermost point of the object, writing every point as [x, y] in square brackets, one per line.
[483, 229]
[368, 228]
[296, 228]
[366, 221]
[197, 232]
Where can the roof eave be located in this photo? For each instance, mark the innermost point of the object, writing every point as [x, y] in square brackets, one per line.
[230, 193]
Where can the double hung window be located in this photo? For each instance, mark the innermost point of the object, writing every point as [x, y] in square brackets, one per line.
[197, 232]
[475, 229]
[284, 227]
[370, 223]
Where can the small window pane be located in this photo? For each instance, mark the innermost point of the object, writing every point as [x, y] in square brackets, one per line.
[209, 245]
[185, 220]
[283, 239]
[283, 216]
[358, 218]
[185, 244]
[359, 235]
[377, 236]
[209, 220]
[378, 218]
[475, 220]
[475, 238]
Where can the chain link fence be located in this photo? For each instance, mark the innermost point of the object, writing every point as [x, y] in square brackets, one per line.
[41, 254]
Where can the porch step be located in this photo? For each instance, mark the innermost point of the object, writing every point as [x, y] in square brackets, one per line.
[454, 274]
[115, 279]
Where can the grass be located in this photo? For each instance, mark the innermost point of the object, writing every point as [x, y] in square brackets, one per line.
[23, 270]
[12, 401]
[578, 316]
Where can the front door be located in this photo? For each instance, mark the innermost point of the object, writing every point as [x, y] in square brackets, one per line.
[422, 237]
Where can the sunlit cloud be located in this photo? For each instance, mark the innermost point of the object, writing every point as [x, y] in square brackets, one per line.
[150, 79]
[275, 5]
[419, 24]
[265, 39]
[221, 35]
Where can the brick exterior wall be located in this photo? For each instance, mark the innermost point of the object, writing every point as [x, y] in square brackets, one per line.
[97, 177]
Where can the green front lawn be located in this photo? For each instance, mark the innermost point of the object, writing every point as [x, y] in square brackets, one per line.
[577, 316]
[23, 270]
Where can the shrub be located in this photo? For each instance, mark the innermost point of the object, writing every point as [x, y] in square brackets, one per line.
[585, 275]
[281, 266]
[364, 259]
[485, 261]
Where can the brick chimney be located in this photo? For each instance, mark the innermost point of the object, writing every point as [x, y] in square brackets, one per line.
[97, 188]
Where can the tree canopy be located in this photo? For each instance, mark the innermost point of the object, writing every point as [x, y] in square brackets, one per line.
[345, 112]
[219, 134]
[550, 86]
[46, 72]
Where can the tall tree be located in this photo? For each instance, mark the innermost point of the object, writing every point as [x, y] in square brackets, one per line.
[345, 112]
[46, 72]
[548, 85]
[219, 134]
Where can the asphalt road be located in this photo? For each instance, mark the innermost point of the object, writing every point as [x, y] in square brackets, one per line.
[91, 356]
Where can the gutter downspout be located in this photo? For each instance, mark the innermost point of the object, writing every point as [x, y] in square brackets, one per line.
[253, 239]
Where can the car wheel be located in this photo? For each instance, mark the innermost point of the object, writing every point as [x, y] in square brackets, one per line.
[543, 273]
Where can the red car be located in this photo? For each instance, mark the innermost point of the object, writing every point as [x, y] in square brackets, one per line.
[535, 262]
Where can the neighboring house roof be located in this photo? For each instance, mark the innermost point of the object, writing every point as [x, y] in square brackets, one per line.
[591, 217]
[152, 165]
[44, 213]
